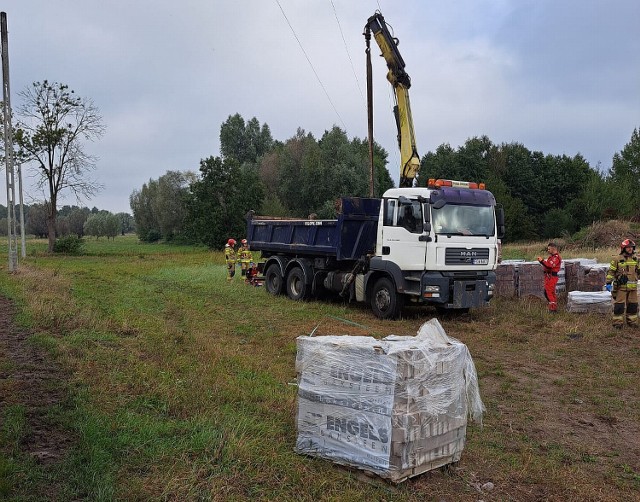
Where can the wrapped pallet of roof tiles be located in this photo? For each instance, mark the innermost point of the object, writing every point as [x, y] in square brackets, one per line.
[506, 280]
[396, 407]
[597, 302]
[530, 279]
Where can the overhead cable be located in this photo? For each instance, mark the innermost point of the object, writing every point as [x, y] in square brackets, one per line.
[311, 64]
[347, 49]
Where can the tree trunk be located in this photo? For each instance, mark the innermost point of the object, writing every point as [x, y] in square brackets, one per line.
[51, 230]
[52, 214]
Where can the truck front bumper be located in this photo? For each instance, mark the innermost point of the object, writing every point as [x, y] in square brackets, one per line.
[454, 291]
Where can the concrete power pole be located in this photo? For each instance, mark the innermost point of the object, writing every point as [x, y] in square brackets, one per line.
[8, 148]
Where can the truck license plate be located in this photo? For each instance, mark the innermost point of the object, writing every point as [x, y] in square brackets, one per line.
[481, 261]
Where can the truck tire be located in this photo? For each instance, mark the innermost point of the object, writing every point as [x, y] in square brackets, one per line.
[296, 287]
[386, 303]
[273, 279]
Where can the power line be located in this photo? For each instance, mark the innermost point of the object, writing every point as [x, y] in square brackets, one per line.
[310, 64]
[347, 49]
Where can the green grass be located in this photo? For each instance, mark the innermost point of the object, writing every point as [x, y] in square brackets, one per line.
[179, 387]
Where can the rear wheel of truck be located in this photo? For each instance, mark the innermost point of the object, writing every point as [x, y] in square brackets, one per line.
[386, 303]
[296, 287]
[273, 279]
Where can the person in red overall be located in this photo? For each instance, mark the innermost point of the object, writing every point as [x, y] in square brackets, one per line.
[551, 268]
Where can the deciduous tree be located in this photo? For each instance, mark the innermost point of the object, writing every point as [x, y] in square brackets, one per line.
[625, 177]
[53, 125]
[219, 200]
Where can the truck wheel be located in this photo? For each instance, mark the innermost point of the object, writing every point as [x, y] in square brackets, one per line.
[296, 287]
[386, 303]
[273, 279]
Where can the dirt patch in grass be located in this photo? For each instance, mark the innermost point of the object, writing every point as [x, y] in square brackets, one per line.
[34, 382]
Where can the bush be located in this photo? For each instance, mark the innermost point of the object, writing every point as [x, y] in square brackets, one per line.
[153, 236]
[71, 244]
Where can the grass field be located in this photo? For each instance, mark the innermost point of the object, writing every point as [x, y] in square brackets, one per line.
[177, 385]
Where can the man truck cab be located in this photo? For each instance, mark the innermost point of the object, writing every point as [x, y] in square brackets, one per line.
[440, 242]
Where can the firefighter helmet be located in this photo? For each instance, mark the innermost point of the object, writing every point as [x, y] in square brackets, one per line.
[628, 243]
[244, 241]
[231, 242]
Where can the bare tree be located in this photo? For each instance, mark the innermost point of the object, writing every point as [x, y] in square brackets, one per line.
[52, 125]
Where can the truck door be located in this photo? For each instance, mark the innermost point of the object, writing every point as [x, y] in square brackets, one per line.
[401, 231]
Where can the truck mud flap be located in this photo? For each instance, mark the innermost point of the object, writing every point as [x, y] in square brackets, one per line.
[468, 294]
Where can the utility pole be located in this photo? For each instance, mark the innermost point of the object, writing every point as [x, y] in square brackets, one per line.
[367, 37]
[8, 148]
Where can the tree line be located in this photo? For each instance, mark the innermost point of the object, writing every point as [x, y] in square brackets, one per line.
[71, 220]
[296, 177]
[543, 195]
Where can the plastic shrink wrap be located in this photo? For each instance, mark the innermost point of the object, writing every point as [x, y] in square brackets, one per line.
[598, 302]
[396, 407]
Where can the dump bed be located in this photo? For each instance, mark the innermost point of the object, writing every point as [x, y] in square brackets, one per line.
[349, 237]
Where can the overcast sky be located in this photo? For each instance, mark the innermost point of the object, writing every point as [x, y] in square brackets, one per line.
[559, 76]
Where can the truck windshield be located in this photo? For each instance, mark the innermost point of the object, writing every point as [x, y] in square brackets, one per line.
[458, 219]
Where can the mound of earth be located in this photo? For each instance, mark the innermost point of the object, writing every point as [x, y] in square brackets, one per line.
[605, 234]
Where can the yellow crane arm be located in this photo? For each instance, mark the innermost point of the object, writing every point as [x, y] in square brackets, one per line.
[400, 82]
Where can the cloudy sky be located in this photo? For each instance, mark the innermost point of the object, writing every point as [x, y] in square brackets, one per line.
[559, 76]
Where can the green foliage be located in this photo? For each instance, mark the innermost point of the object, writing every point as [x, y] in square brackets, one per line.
[558, 222]
[53, 124]
[543, 195]
[625, 177]
[76, 220]
[152, 235]
[103, 224]
[141, 202]
[127, 223]
[272, 206]
[36, 220]
[160, 206]
[219, 201]
[71, 244]
[244, 143]
[312, 174]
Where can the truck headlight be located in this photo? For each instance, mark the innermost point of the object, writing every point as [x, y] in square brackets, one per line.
[432, 289]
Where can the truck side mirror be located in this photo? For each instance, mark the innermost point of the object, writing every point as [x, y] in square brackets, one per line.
[439, 204]
[500, 221]
[426, 227]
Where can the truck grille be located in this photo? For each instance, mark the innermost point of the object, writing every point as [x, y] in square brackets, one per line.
[464, 256]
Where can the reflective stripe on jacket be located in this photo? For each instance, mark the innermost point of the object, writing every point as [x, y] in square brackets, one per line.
[245, 255]
[229, 255]
[624, 272]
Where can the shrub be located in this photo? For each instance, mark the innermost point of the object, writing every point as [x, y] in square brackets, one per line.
[71, 244]
[153, 236]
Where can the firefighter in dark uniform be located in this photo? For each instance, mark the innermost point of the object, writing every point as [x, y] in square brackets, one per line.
[622, 281]
[551, 268]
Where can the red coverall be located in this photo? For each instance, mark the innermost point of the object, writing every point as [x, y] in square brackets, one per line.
[551, 268]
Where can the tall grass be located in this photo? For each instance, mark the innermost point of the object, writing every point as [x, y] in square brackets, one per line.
[181, 384]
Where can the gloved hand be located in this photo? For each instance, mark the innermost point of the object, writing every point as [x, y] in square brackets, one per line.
[539, 258]
[608, 287]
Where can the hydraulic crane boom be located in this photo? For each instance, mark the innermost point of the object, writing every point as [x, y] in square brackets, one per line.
[400, 81]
